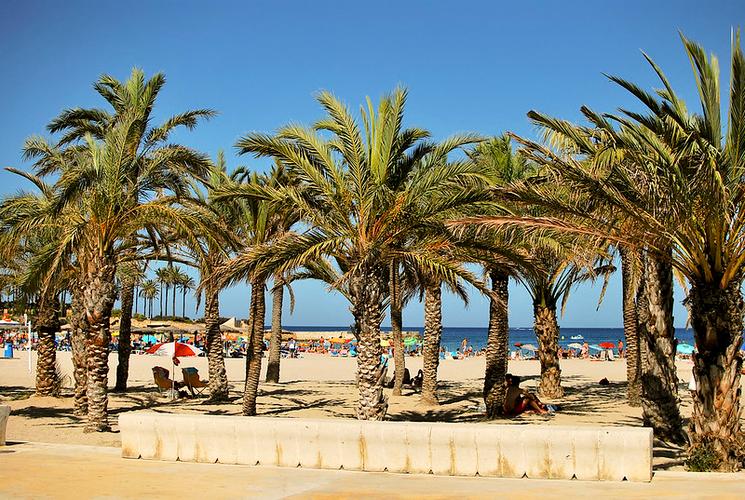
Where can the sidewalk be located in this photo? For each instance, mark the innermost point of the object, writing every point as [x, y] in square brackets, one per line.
[34, 470]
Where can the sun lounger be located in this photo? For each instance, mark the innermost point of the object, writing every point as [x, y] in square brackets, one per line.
[162, 380]
[192, 381]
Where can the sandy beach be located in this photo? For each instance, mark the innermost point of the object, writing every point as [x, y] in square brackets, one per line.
[320, 386]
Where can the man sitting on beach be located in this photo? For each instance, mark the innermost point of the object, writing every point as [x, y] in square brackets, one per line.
[517, 401]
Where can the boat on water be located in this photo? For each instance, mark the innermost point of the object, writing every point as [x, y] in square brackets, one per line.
[577, 337]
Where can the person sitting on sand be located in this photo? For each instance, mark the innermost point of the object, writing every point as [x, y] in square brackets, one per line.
[584, 353]
[517, 401]
[416, 382]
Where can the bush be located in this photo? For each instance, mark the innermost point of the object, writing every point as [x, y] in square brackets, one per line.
[703, 458]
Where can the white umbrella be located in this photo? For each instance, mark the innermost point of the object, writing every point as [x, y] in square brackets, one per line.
[575, 345]
[528, 347]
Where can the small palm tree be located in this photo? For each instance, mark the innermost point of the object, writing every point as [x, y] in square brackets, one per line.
[28, 259]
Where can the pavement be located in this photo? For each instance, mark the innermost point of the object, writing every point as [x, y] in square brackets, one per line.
[40, 470]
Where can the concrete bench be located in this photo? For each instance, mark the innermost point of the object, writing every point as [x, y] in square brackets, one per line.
[462, 449]
[4, 413]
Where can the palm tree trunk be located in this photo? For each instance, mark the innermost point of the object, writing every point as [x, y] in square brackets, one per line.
[173, 299]
[432, 337]
[47, 325]
[99, 294]
[547, 332]
[125, 336]
[275, 341]
[161, 298]
[79, 360]
[660, 402]
[367, 293]
[717, 320]
[497, 346]
[254, 348]
[183, 302]
[218, 379]
[630, 330]
[397, 331]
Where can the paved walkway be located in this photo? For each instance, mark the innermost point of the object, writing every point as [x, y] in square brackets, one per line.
[35, 470]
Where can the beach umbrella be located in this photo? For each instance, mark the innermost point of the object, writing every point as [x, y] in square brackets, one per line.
[607, 345]
[575, 345]
[410, 341]
[178, 349]
[685, 349]
[596, 347]
[174, 350]
[384, 343]
[528, 347]
[518, 344]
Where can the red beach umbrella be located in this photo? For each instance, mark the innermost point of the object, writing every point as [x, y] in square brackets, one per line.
[172, 349]
[607, 345]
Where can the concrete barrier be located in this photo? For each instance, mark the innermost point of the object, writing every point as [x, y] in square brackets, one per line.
[462, 449]
[4, 413]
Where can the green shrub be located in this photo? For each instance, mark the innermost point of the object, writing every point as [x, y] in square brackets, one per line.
[703, 458]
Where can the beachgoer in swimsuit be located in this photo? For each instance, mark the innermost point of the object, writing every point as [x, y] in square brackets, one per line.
[517, 401]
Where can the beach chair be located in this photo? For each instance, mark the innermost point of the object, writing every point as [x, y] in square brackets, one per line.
[192, 381]
[162, 380]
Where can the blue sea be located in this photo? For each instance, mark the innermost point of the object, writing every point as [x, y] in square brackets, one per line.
[453, 336]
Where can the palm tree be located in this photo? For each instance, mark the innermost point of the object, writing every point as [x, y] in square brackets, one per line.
[148, 291]
[209, 257]
[186, 283]
[79, 337]
[130, 274]
[163, 277]
[117, 176]
[174, 276]
[676, 176]
[350, 215]
[550, 285]
[263, 223]
[501, 166]
[632, 352]
[28, 259]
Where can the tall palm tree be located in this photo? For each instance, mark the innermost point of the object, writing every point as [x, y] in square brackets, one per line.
[676, 176]
[174, 279]
[632, 354]
[117, 176]
[186, 283]
[497, 161]
[350, 217]
[163, 277]
[264, 222]
[148, 291]
[130, 274]
[209, 257]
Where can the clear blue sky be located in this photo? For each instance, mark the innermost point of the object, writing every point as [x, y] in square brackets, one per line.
[469, 66]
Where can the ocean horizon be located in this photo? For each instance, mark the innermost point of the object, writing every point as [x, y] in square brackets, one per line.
[452, 336]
